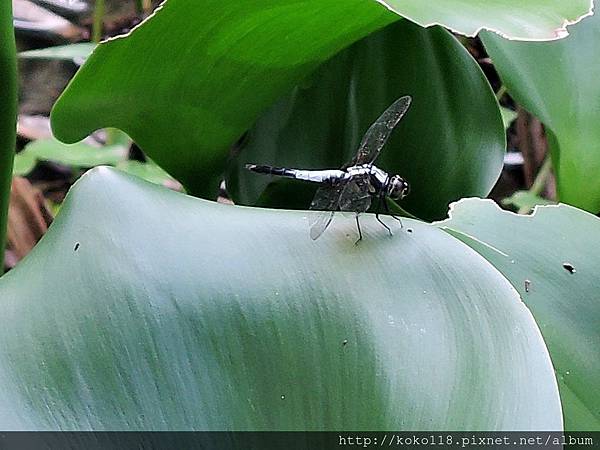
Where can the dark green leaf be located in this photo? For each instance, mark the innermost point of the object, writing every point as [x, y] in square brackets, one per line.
[8, 115]
[449, 145]
[187, 96]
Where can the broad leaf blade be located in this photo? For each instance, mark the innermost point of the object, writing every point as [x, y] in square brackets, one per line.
[449, 145]
[557, 81]
[187, 96]
[531, 21]
[147, 309]
[533, 253]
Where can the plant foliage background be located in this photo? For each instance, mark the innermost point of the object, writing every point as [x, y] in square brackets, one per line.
[148, 309]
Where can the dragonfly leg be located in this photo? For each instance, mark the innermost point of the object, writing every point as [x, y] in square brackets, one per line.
[387, 210]
[359, 231]
[377, 216]
[383, 223]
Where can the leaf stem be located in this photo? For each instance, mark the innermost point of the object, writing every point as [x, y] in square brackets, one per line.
[97, 27]
[540, 181]
[8, 114]
[143, 7]
[501, 92]
[542, 177]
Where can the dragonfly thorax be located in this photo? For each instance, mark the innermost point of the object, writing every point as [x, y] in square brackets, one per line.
[394, 187]
[380, 177]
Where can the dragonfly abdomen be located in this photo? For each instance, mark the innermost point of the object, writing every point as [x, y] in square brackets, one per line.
[316, 176]
[269, 170]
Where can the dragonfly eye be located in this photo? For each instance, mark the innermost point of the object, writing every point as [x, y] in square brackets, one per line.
[398, 188]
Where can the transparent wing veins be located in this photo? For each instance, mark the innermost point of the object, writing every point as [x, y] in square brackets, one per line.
[356, 195]
[378, 134]
[326, 201]
[345, 195]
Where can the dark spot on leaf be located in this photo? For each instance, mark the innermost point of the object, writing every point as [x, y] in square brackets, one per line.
[409, 230]
[527, 285]
[76, 246]
[569, 267]
[344, 342]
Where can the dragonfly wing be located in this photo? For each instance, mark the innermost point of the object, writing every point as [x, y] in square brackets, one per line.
[326, 201]
[356, 195]
[320, 223]
[378, 134]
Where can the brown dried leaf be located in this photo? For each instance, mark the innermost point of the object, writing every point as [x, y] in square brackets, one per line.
[28, 220]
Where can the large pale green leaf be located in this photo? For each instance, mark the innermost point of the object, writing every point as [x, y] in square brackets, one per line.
[535, 253]
[449, 145]
[192, 79]
[558, 82]
[147, 309]
[527, 20]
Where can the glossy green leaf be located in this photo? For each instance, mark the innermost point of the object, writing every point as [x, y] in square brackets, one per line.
[8, 113]
[142, 308]
[551, 258]
[185, 98]
[529, 20]
[188, 95]
[558, 82]
[79, 155]
[449, 145]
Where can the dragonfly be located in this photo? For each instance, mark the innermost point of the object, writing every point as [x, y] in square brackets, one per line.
[354, 186]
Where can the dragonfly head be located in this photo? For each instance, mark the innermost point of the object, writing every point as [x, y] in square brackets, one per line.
[397, 188]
